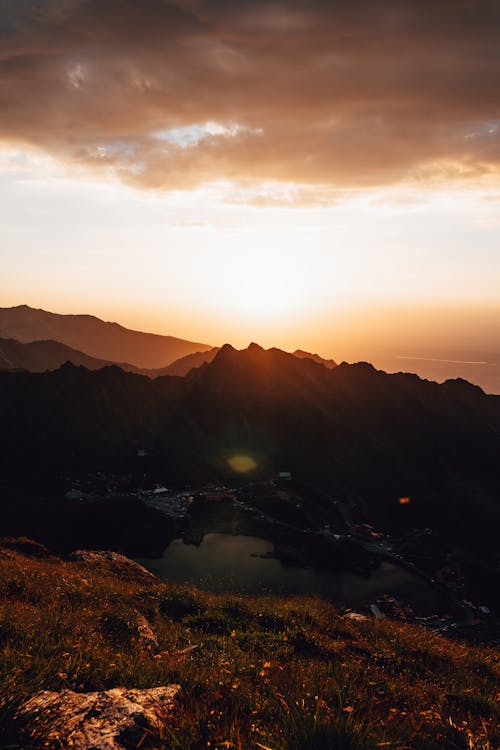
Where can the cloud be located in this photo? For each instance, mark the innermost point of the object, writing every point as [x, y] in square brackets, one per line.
[319, 94]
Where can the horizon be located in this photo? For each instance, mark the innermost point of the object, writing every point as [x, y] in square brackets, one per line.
[267, 341]
[304, 175]
[474, 364]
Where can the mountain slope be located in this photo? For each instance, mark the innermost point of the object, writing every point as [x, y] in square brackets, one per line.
[350, 430]
[40, 356]
[251, 669]
[301, 354]
[92, 336]
[186, 364]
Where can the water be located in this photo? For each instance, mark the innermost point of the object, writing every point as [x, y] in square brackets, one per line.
[234, 564]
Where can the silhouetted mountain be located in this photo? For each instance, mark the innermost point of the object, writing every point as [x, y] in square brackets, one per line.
[108, 341]
[40, 356]
[470, 363]
[330, 363]
[351, 429]
[185, 364]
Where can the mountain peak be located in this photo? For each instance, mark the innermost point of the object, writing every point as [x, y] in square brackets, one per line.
[225, 349]
[253, 347]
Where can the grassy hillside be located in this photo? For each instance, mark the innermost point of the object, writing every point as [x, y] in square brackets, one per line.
[262, 673]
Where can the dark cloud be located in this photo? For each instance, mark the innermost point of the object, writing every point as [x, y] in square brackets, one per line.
[315, 92]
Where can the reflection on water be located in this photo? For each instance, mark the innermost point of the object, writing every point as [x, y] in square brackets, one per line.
[235, 563]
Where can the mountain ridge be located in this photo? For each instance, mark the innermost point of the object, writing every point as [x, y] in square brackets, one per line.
[349, 429]
[46, 355]
[95, 337]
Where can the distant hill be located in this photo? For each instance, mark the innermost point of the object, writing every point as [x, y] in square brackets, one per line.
[477, 366]
[40, 356]
[107, 341]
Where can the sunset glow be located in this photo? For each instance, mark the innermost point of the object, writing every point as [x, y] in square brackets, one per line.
[264, 283]
[309, 193]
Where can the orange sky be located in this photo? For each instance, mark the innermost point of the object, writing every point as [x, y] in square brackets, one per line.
[312, 174]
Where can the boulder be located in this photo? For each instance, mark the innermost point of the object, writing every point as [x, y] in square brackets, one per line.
[108, 720]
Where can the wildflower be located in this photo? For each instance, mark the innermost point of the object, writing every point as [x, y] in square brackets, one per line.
[348, 709]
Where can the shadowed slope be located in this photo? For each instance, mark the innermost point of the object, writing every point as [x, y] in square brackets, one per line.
[109, 341]
[40, 356]
[350, 429]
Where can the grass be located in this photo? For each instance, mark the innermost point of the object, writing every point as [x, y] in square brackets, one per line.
[268, 673]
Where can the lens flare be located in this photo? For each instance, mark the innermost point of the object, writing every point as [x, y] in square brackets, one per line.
[241, 463]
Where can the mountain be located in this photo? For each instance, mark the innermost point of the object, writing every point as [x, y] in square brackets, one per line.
[40, 356]
[94, 337]
[185, 364]
[473, 364]
[349, 431]
[330, 363]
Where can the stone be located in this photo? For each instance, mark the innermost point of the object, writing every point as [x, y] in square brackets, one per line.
[106, 720]
[357, 616]
[147, 636]
[117, 561]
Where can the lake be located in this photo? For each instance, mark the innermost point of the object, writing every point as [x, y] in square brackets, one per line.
[235, 564]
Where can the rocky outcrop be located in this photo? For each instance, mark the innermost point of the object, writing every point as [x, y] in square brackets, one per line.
[119, 563]
[108, 720]
[25, 546]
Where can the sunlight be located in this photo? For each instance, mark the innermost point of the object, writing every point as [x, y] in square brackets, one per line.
[264, 283]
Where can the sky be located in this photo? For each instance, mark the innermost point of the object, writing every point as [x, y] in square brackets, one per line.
[319, 174]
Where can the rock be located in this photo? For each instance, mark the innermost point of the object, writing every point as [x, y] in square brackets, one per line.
[147, 636]
[356, 616]
[107, 720]
[97, 557]
[25, 546]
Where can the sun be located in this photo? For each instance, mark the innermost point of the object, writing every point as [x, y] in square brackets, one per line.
[263, 283]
